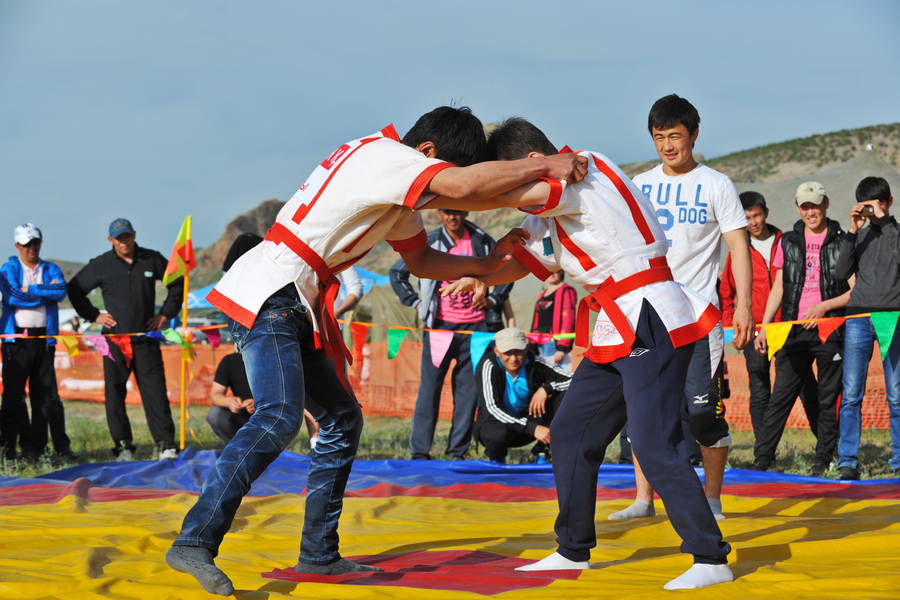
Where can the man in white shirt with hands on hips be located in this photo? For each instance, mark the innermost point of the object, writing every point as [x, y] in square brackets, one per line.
[697, 207]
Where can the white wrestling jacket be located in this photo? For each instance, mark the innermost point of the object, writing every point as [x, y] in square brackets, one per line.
[604, 234]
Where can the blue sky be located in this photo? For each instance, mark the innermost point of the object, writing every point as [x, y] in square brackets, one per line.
[157, 110]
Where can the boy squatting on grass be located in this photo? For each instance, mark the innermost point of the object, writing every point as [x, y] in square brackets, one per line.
[603, 233]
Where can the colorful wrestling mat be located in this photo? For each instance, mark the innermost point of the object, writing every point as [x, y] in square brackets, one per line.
[440, 530]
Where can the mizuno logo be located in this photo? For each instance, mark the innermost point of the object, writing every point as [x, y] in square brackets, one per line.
[639, 352]
[701, 399]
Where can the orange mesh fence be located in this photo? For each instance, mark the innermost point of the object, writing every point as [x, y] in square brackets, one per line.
[389, 387]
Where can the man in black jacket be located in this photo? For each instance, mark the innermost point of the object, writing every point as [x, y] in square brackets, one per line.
[462, 237]
[805, 287]
[872, 253]
[517, 396]
[127, 276]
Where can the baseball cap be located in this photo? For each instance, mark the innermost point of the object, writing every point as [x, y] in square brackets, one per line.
[510, 338]
[810, 191]
[120, 226]
[27, 232]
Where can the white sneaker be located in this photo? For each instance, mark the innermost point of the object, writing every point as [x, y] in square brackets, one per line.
[125, 455]
[701, 575]
[168, 454]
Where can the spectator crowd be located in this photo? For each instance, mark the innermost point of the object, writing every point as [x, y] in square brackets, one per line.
[507, 398]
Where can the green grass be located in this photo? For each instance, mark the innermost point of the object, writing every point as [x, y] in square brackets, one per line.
[384, 438]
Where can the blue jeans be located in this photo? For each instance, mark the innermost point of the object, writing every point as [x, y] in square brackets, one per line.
[859, 337]
[276, 352]
[547, 351]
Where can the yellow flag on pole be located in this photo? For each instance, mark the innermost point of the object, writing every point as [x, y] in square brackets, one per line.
[776, 334]
[70, 343]
[182, 258]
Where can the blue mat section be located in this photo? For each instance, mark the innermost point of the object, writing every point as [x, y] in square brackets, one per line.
[287, 474]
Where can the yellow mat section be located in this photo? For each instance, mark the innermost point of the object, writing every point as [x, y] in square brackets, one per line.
[784, 549]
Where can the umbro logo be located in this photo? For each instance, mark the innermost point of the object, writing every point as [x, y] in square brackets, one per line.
[701, 399]
[836, 358]
[639, 352]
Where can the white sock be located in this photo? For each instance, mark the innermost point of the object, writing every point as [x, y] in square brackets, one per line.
[715, 505]
[640, 508]
[555, 562]
[701, 575]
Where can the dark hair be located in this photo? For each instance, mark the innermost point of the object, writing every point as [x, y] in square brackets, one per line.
[751, 199]
[515, 138]
[457, 134]
[239, 246]
[873, 188]
[672, 110]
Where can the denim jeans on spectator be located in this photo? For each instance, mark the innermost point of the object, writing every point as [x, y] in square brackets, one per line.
[547, 351]
[859, 337]
[276, 352]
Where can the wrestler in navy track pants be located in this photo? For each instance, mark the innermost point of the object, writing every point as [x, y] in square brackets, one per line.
[648, 388]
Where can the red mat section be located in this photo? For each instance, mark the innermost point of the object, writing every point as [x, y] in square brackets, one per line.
[484, 573]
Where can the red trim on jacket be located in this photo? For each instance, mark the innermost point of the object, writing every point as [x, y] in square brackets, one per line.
[625, 192]
[421, 182]
[583, 259]
[552, 199]
[763, 277]
[232, 309]
[604, 298]
[533, 265]
[332, 340]
[304, 209]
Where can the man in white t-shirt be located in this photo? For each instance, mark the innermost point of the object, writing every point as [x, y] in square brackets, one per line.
[279, 297]
[697, 207]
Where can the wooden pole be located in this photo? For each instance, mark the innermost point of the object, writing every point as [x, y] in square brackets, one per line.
[185, 334]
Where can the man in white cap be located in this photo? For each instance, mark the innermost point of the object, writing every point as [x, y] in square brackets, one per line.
[31, 289]
[805, 287]
[517, 397]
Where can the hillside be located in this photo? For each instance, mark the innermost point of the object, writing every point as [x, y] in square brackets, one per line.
[782, 161]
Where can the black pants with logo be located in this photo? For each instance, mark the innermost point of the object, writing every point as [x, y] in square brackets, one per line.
[648, 387]
[792, 366]
[31, 361]
[147, 365]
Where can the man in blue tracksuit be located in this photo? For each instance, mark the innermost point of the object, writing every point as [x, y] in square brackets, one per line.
[31, 289]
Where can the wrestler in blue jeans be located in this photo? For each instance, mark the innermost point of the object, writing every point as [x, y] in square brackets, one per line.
[277, 351]
[859, 337]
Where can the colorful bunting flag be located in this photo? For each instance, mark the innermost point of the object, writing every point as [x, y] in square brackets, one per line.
[214, 336]
[776, 335]
[885, 325]
[182, 258]
[155, 335]
[729, 336]
[171, 335]
[394, 339]
[70, 343]
[440, 342]
[539, 338]
[827, 326]
[359, 331]
[100, 344]
[123, 341]
[478, 343]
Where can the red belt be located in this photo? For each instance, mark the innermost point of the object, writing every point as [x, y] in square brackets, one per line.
[604, 298]
[333, 341]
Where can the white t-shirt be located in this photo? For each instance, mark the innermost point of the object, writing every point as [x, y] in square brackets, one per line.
[694, 210]
[35, 316]
[764, 247]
